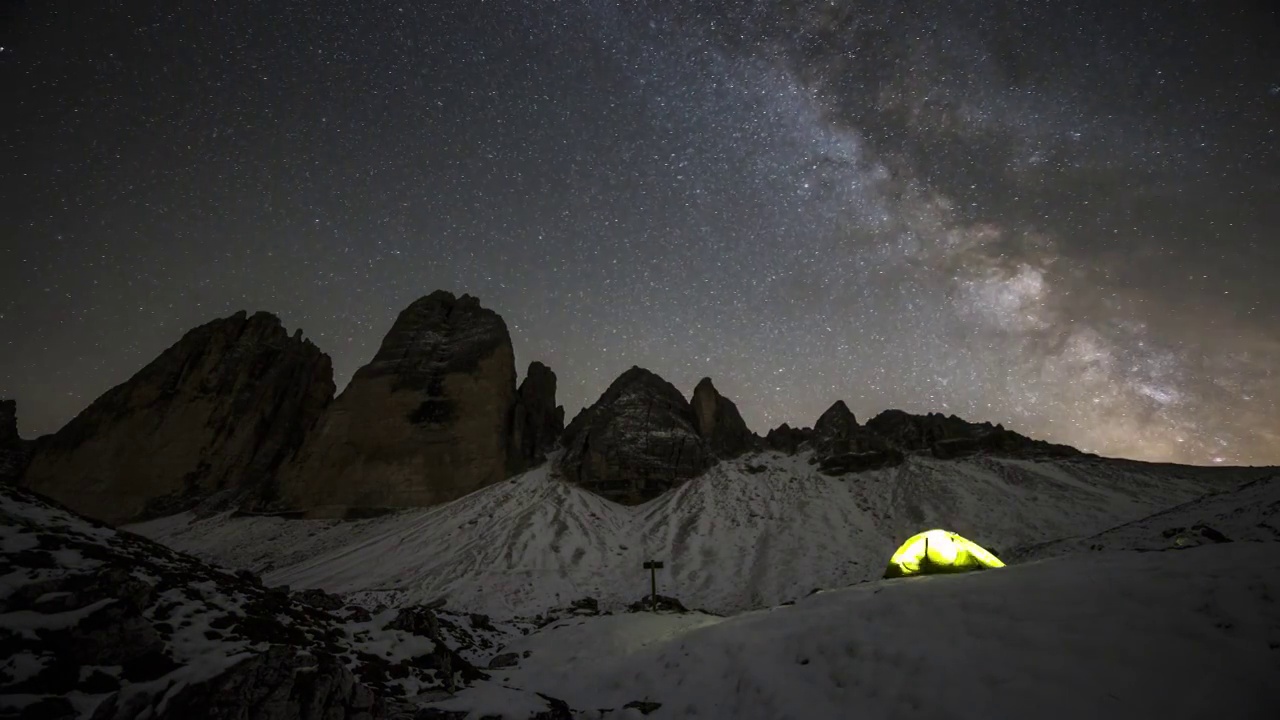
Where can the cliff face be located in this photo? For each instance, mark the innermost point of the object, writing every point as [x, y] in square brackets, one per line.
[719, 423]
[637, 441]
[213, 416]
[536, 421]
[427, 421]
[15, 452]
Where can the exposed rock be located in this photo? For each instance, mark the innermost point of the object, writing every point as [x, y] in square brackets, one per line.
[318, 598]
[425, 422]
[282, 683]
[536, 421]
[109, 616]
[919, 432]
[837, 432]
[664, 604]
[787, 439]
[636, 442]
[951, 437]
[15, 452]
[719, 423]
[416, 621]
[644, 706]
[214, 415]
[505, 660]
[853, 462]
[842, 446]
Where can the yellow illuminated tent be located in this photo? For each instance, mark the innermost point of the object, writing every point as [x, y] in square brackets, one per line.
[939, 551]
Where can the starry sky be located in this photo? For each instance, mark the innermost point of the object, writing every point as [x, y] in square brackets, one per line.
[1060, 216]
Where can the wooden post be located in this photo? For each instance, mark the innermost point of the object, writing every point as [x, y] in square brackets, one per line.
[653, 566]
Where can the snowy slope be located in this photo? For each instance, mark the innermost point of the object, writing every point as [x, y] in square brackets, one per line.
[1250, 513]
[1170, 635]
[749, 533]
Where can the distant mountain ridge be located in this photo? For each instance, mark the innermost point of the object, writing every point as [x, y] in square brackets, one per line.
[239, 414]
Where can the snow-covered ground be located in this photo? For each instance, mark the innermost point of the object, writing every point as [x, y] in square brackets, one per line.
[749, 533]
[1179, 634]
[1250, 512]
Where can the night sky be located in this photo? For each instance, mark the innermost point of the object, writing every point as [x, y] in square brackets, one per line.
[1064, 217]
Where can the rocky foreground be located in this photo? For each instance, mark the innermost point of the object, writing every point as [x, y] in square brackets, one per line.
[101, 624]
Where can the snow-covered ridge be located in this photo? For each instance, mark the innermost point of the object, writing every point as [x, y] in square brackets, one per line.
[750, 533]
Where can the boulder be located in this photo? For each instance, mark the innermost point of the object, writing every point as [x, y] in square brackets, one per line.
[536, 421]
[15, 452]
[637, 441]
[214, 415]
[425, 422]
[718, 422]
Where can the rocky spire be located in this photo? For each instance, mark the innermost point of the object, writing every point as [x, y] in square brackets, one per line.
[718, 422]
[536, 421]
[426, 421]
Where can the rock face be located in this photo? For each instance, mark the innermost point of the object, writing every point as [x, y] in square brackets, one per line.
[536, 422]
[835, 431]
[214, 415]
[427, 421]
[786, 439]
[15, 452]
[718, 422]
[637, 441]
[950, 436]
[120, 622]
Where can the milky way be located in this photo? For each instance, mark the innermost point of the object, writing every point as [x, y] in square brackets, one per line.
[1059, 218]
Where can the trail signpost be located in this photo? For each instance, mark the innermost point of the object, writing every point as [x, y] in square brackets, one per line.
[653, 566]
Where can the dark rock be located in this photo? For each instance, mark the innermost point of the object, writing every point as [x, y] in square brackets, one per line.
[586, 604]
[505, 660]
[834, 429]
[15, 453]
[416, 620]
[481, 622]
[860, 461]
[1211, 534]
[948, 436]
[536, 421]
[425, 422]
[664, 604]
[636, 442]
[280, 684]
[319, 599]
[357, 614]
[644, 706]
[787, 439]
[96, 599]
[719, 424]
[212, 418]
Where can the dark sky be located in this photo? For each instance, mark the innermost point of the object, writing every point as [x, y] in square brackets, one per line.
[1059, 216]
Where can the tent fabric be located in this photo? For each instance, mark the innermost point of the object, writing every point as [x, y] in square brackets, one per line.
[939, 551]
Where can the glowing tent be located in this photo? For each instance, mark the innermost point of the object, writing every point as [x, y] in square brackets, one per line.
[939, 551]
